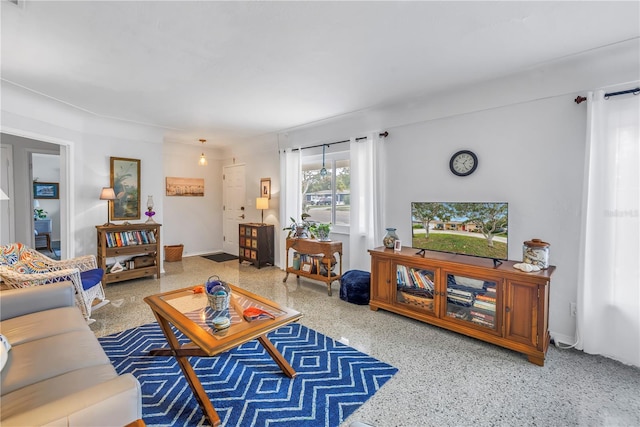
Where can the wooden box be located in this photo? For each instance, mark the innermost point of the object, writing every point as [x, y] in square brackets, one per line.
[143, 261]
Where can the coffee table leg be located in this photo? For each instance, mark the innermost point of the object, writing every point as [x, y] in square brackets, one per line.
[277, 356]
[196, 387]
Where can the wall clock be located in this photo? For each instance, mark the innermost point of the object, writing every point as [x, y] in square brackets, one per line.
[463, 163]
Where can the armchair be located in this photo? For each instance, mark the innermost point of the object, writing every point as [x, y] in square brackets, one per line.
[22, 267]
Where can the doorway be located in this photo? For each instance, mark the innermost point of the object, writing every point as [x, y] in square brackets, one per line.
[234, 212]
[45, 175]
[22, 146]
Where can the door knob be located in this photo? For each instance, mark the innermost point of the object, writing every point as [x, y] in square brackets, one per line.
[241, 208]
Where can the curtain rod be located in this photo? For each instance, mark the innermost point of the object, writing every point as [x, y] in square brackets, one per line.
[635, 91]
[360, 138]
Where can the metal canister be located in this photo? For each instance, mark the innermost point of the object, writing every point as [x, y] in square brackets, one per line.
[536, 252]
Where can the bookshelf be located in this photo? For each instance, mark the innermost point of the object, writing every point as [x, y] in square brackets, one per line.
[135, 246]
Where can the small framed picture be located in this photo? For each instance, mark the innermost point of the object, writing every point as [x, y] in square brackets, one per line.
[46, 190]
[265, 187]
[306, 267]
[397, 246]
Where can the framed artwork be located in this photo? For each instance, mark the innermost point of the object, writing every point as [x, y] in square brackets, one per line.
[184, 186]
[46, 190]
[397, 246]
[265, 187]
[125, 181]
[306, 267]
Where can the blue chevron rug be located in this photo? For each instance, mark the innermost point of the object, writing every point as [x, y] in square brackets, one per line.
[245, 385]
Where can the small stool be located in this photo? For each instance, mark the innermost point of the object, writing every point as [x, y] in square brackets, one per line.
[354, 287]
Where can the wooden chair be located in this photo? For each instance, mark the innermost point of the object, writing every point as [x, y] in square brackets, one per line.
[21, 267]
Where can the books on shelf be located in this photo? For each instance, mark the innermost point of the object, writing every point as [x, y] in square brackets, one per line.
[116, 239]
[414, 278]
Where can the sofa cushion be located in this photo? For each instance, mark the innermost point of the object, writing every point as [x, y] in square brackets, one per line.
[35, 395]
[33, 326]
[32, 361]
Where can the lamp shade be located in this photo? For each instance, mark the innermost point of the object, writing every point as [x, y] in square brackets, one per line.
[36, 204]
[107, 193]
[262, 203]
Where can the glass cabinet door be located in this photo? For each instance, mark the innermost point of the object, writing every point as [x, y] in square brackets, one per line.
[472, 300]
[415, 287]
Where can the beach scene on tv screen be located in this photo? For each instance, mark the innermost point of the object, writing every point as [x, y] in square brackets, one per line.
[474, 228]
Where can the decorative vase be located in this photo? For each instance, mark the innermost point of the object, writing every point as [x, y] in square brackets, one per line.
[389, 239]
[323, 235]
[302, 232]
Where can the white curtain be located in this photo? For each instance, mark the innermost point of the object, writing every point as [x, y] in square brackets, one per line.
[609, 280]
[367, 200]
[290, 189]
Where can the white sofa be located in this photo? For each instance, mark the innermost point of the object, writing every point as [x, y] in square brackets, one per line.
[56, 372]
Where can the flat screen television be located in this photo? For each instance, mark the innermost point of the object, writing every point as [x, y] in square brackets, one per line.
[470, 228]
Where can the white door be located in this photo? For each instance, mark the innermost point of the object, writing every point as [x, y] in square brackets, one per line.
[234, 212]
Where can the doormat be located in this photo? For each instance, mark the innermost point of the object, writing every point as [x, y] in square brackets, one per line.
[221, 257]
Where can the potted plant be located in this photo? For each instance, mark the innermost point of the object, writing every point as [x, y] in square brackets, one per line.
[321, 231]
[39, 213]
[299, 229]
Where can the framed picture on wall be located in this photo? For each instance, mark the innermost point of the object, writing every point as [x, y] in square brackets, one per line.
[125, 181]
[184, 186]
[46, 190]
[265, 188]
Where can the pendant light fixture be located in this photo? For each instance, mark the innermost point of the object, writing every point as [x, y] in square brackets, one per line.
[323, 171]
[203, 159]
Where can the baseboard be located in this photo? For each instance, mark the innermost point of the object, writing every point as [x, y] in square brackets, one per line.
[562, 338]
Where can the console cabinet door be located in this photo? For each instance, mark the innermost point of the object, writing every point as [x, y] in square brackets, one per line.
[521, 313]
[381, 281]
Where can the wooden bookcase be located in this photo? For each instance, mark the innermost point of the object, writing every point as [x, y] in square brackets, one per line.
[138, 243]
[256, 244]
[469, 295]
[322, 257]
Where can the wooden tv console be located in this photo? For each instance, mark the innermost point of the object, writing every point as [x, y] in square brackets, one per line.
[469, 295]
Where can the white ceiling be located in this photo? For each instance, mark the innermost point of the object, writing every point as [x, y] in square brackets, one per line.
[226, 71]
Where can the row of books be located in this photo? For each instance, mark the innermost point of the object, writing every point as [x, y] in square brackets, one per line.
[414, 278]
[117, 239]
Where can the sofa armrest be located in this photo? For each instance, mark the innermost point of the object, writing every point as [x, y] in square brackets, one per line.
[18, 302]
[116, 402]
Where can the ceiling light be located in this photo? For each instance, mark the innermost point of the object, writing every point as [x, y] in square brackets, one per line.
[203, 159]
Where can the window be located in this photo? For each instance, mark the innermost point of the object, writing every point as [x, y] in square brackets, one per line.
[326, 198]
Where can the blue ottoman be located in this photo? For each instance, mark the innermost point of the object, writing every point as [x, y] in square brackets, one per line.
[354, 287]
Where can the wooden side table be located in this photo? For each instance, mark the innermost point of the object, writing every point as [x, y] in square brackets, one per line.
[323, 255]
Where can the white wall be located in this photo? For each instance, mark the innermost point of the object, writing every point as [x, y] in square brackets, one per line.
[195, 222]
[529, 136]
[91, 140]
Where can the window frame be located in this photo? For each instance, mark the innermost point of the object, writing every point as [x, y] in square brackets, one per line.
[331, 160]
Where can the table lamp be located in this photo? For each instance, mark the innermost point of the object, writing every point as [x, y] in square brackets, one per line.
[108, 194]
[262, 203]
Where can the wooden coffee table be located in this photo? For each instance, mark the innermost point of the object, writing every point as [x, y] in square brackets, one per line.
[190, 313]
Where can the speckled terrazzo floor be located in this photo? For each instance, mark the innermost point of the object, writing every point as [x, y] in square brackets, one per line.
[444, 379]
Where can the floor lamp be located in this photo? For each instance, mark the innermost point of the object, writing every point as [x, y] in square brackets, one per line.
[108, 194]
